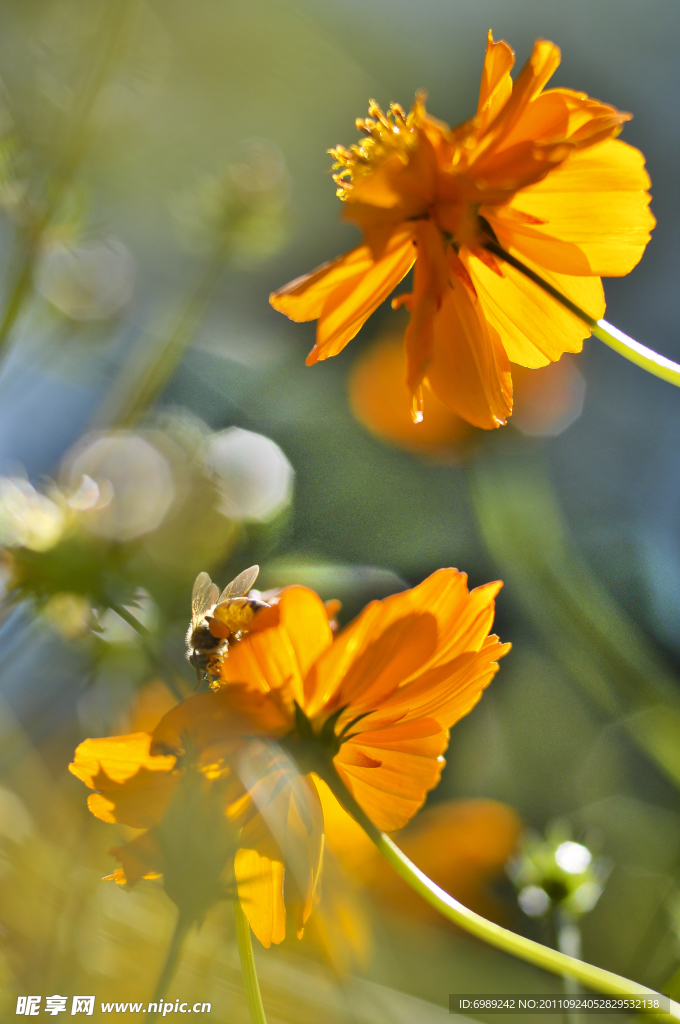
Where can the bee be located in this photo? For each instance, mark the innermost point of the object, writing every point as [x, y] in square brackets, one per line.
[216, 617]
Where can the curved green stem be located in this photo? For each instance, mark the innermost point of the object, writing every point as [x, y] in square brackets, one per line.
[245, 952]
[639, 354]
[594, 978]
[642, 356]
[182, 926]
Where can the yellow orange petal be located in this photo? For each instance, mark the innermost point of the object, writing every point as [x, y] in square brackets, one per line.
[463, 620]
[135, 786]
[280, 657]
[349, 306]
[535, 328]
[258, 867]
[469, 370]
[545, 120]
[382, 403]
[536, 144]
[304, 298]
[264, 660]
[119, 757]
[327, 674]
[409, 765]
[542, 64]
[140, 802]
[340, 926]
[538, 70]
[446, 693]
[371, 644]
[464, 617]
[590, 121]
[496, 84]
[213, 722]
[430, 283]
[562, 115]
[287, 828]
[593, 210]
[305, 619]
[389, 659]
[343, 834]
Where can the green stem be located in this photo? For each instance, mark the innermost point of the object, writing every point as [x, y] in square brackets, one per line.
[594, 978]
[245, 952]
[182, 926]
[639, 354]
[642, 356]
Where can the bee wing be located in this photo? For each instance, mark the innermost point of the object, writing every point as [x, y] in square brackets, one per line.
[241, 585]
[203, 596]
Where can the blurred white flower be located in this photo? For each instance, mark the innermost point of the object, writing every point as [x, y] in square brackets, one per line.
[133, 481]
[88, 281]
[27, 518]
[533, 900]
[90, 494]
[573, 857]
[253, 476]
[557, 873]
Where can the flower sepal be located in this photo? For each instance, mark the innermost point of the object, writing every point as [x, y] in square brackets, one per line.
[313, 752]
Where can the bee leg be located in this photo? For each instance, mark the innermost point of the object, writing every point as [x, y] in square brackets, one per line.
[199, 678]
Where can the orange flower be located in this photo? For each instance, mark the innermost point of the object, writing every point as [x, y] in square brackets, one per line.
[546, 401]
[371, 708]
[381, 402]
[536, 178]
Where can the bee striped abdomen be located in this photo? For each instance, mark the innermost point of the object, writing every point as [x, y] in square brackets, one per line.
[236, 615]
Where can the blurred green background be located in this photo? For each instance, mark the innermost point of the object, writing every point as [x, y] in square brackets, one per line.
[163, 167]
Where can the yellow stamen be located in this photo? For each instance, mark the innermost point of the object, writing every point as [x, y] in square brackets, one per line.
[387, 135]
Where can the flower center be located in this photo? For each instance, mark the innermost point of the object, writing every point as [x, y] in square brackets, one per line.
[387, 135]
